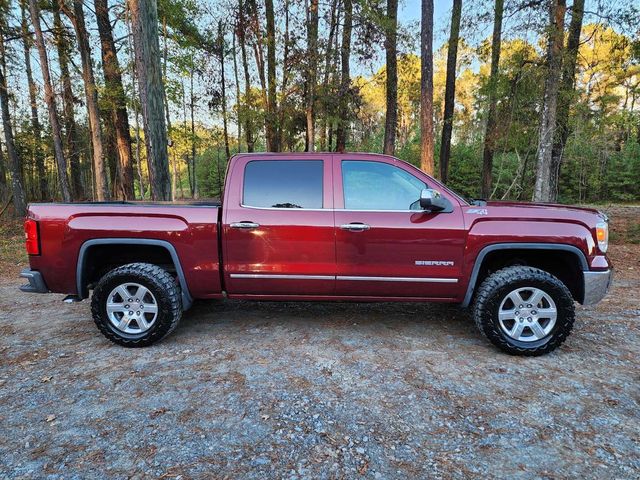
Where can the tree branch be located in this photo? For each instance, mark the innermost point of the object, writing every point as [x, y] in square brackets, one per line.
[27, 34]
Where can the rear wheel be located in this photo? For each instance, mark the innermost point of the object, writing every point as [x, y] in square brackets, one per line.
[136, 305]
[524, 310]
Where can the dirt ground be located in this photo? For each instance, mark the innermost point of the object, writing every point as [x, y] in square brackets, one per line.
[292, 390]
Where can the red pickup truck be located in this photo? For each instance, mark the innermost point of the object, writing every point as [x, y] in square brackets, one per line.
[324, 226]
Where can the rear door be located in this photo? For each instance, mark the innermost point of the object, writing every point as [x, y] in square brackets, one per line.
[278, 226]
[385, 245]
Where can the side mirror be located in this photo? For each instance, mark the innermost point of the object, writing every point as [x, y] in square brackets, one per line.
[432, 201]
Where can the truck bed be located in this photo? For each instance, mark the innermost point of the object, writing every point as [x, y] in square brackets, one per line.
[73, 235]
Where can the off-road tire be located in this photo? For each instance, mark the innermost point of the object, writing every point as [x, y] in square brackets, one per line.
[159, 282]
[494, 289]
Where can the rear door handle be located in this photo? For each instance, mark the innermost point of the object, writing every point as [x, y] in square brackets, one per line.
[355, 227]
[244, 225]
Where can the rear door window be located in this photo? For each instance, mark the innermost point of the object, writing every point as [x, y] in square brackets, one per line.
[283, 184]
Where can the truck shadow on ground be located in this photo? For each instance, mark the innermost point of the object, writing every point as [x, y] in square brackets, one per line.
[436, 319]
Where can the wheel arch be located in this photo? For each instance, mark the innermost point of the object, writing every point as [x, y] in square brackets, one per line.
[574, 254]
[86, 248]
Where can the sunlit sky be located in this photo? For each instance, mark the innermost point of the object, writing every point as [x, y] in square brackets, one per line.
[409, 11]
[409, 19]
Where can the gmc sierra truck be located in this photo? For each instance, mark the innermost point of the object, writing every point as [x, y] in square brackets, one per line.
[318, 227]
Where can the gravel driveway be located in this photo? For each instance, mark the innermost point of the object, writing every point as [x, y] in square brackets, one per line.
[317, 391]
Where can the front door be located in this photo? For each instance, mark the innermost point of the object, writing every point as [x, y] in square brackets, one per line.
[278, 227]
[385, 245]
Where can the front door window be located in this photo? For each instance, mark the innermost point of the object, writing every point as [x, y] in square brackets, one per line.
[379, 186]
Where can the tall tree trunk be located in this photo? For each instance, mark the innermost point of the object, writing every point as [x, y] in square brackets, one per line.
[167, 113]
[260, 66]
[426, 87]
[450, 90]
[567, 93]
[165, 61]
[333, 23]
[345, 78]
[286, 72]
[50, 100]
[4, 190]
[272, 106]
[192, 107]
[91, 95]
[491, 133]
[259, 55]
[185, 130]
[144, 17]
[312, 71]
[337, 74]
[116, 101]
[542, 189]
[109, 148]
[237, 84]
[38, 154]
[15, 164]
[390, 45]
[223, 88]
[71, 138]
[136, 113]
[240, 33]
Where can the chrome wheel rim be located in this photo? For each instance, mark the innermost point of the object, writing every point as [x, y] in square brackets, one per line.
[132, 308]
[527, 314]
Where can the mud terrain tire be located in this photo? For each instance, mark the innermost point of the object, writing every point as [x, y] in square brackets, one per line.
[494, 296]
[161, 294]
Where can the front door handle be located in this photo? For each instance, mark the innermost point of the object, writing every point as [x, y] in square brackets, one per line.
[244, 225]
[355, 227]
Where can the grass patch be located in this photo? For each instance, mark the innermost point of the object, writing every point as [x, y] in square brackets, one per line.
[633, 233]
[12, 242]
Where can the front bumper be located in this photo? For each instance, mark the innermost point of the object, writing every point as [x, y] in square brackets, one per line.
[36, 282]
[596, 286]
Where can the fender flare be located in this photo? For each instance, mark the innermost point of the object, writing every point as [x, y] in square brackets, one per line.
[187, 299]
[518, 246]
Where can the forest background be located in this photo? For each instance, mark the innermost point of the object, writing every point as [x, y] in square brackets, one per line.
[138, 99]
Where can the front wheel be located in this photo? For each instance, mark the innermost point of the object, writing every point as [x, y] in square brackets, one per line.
[136, 305]
[524, 310]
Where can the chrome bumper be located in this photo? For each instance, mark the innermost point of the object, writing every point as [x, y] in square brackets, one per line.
[36, 282]
[596, 286]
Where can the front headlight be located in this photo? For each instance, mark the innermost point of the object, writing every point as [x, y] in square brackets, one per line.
[602, 235]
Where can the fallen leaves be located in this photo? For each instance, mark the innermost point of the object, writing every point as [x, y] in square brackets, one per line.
[157, 412]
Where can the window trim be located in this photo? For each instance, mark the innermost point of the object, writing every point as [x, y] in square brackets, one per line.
[334, 209]
[341, 162]
[322, 185]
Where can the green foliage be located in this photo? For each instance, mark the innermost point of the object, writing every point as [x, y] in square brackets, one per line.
[211, 167]
[622, 178]
[466, 162]
[179, 16]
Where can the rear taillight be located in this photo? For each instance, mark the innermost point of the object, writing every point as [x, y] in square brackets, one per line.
[31, 235]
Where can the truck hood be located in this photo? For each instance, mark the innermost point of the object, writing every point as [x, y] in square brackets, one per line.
[547, 207]
[524, 211]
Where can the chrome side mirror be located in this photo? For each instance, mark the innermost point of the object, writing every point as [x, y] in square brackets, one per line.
[432, 201]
